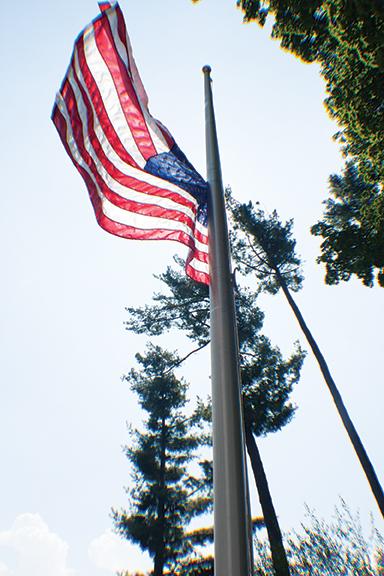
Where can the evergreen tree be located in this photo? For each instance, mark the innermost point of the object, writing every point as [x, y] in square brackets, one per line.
[267, 379]
[165, 495]
[264, 246]
[352, 230]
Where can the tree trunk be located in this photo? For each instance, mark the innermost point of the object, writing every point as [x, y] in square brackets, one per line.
[279, 558]
[352, 433]
[159, 559]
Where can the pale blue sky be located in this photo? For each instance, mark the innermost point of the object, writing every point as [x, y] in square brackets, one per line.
[63, 407]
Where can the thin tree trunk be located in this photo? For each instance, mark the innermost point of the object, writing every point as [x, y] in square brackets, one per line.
[279, 558]
[159, 559]
[352, 433]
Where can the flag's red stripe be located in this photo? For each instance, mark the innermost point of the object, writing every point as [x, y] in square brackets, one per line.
[128, 205]
[61, 125]
[170, 141]
[134, 233]
[194, 273]
[104, 6]
[124, 179]
[115, 198]
[122, 31]
[197, 275]
[123, 230]
[98, 104]
[124, 88]
[102, 40]
[203, 238]
[131, 233]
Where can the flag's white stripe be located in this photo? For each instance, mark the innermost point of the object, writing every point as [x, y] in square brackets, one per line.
[110, 97]
[199, 265]
[156, 135]
[140, 88]
[201, 247]
[108, 149]
[109, 181]
[201, 228]
[119, 45]
[115, 213]
[143, 222]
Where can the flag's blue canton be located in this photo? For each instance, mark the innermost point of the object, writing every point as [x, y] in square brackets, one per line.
[202, 213]
[174, 167]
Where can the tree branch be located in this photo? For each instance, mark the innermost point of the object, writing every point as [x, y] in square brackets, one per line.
[181, 360]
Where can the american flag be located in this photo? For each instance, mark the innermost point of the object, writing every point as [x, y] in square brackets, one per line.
[140, 183]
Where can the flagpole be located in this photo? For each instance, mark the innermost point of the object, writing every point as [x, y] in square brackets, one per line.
[232, 540]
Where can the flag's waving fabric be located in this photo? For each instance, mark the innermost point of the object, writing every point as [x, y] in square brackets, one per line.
[140, 183]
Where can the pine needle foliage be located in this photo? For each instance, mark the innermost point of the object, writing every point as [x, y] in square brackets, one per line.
[165, 495]
[267, 378]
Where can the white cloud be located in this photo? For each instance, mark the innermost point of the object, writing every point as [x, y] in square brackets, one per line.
[39, 552]
[4, 570]
[110, 552]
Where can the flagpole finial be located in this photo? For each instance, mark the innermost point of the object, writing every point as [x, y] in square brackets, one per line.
[207, 69]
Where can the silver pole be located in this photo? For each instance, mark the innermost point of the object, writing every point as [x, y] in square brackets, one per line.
[231, 523]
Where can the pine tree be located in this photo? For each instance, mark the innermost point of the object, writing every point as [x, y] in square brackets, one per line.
[267, 379]
[165, 496]
[263, 246]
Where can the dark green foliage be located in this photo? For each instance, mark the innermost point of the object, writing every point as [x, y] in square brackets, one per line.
[267, 378]
[352, 230]
[265, 236]
[328, 548]
[263, 245]
[165, 495]
[267, 382]
[197, 567]
[203, 536]
[200, 565]
[186, 308]
[346, 38]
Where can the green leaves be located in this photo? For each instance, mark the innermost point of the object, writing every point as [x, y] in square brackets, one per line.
[345, 37]
[352, 230]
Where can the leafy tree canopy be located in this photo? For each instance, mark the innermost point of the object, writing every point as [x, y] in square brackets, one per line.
[352, 230]
[346, 38]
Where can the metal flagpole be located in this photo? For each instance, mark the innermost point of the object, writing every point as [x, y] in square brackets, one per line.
[231, 521]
